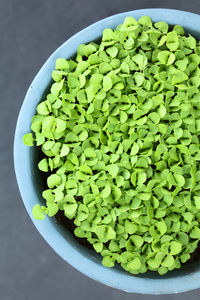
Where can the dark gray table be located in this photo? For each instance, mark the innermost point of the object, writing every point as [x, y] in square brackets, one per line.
[30, 31]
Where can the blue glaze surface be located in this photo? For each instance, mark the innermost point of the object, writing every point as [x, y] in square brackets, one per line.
[29, 181]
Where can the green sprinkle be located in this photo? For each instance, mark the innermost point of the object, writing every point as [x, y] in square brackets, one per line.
[145, 21]
[108, 262]
[134, 265]
[52, 209]
[28, 139]
[98, 247]
[166, 58]
[113, 170]
[112, 51]
[42, 109]
[172, 41]
[162, 26]
[62, 64]
[168, 261]
[179, 77]
[37, 212]
[195, 233]
[175, 247]
[197, 201]
[53, 180]
[70, 209]
[64, 150]
[43, 165]
[162, 270]
[107, 83]
[130, 227]
[106, 191]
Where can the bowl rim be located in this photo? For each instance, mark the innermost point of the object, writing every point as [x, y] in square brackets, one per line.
[24, 175]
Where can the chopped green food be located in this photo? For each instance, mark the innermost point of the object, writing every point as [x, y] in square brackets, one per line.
[119, 132]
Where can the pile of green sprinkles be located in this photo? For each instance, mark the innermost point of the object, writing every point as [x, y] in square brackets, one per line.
[120, 133]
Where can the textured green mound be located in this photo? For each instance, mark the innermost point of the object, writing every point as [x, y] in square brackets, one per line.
[120, 133]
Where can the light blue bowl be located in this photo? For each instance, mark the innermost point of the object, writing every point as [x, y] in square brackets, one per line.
[25, 158]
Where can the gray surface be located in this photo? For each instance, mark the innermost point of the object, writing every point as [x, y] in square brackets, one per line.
[30, 31]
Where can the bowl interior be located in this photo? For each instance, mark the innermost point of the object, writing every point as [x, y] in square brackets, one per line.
[31, 184]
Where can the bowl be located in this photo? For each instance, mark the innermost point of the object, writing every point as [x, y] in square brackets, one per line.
[30, 184]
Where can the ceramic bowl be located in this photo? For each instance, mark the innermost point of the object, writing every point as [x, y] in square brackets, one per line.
[30, 184]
